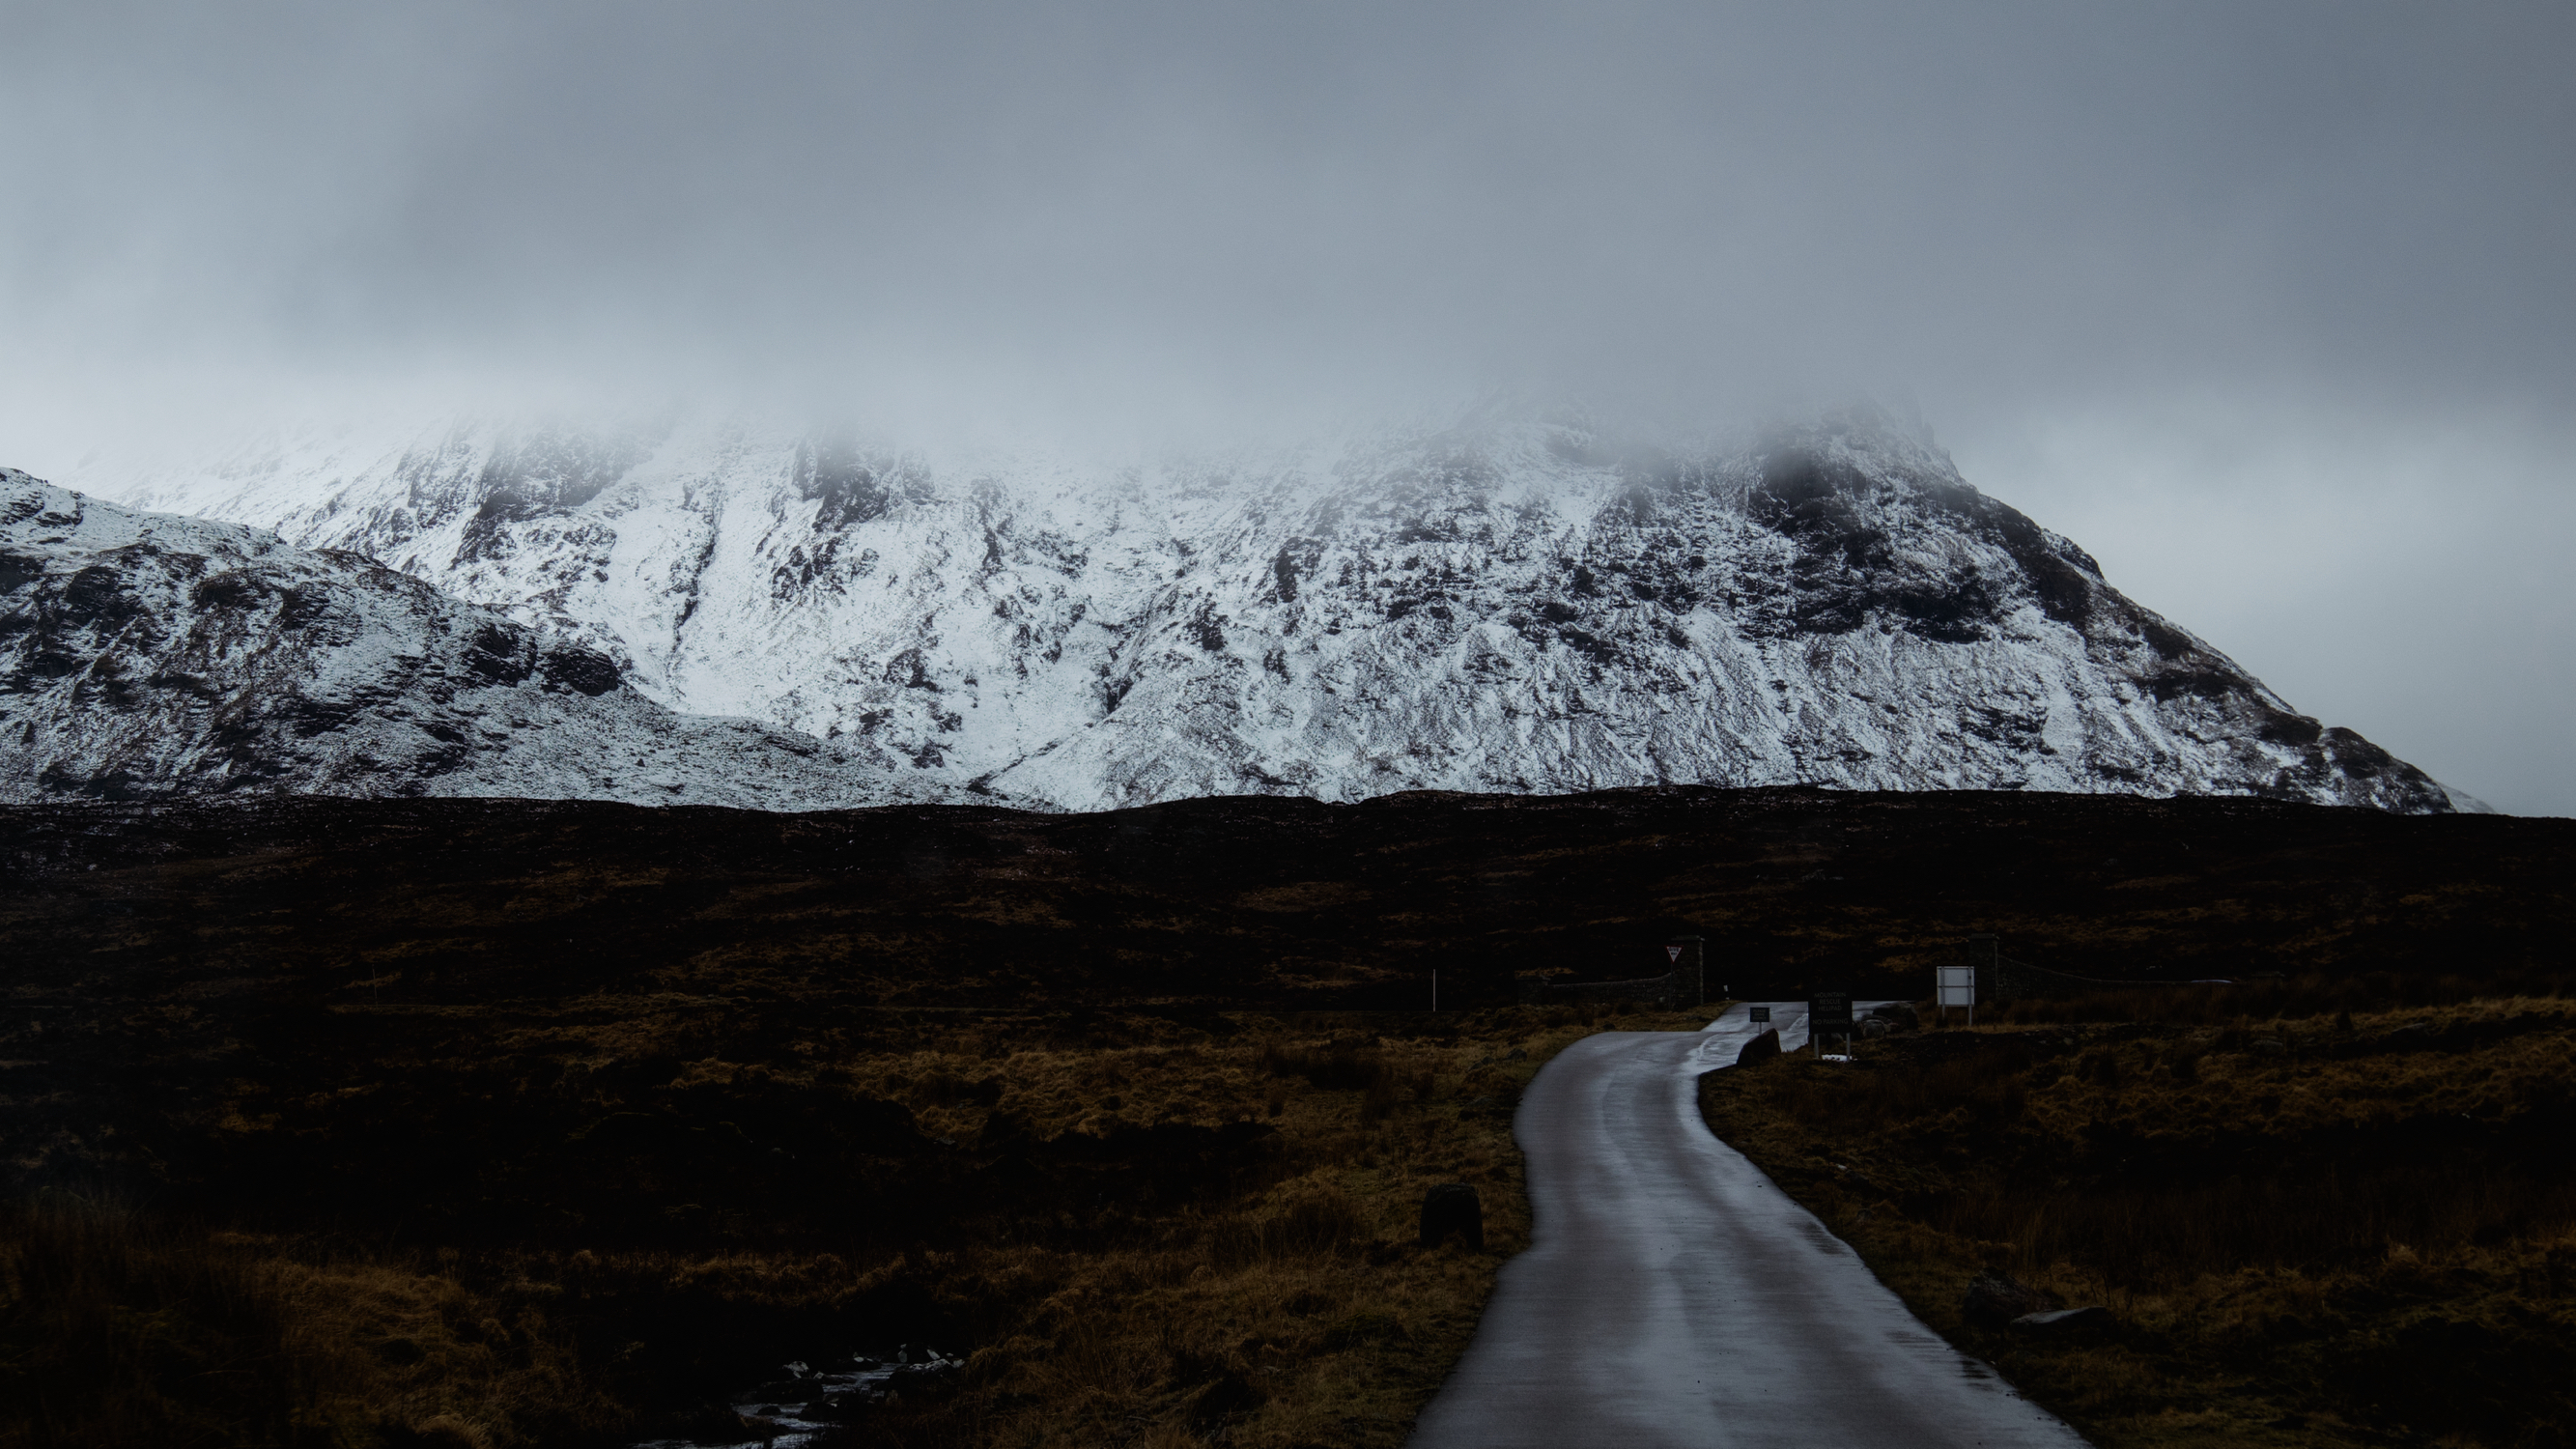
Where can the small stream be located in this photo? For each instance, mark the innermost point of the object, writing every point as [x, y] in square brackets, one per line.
[804, 1400]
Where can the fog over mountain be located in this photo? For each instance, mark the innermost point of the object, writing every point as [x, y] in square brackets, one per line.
[1512, 603]
[2266, 305]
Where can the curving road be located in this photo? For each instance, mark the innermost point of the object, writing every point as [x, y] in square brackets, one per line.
[1672, 1296]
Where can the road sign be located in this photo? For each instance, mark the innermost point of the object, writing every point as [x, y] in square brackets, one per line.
[1829, 1009]
[1760, 1014]
[1958, 985]
[1673, 954]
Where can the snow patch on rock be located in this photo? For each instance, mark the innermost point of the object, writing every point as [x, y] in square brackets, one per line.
[1512, 605]
[147, 656]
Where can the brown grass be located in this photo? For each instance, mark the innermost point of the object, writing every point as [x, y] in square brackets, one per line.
[2276, 997]
[116, 1329]
[1280, 1303]
[2328, 1223]
[1296, 1311]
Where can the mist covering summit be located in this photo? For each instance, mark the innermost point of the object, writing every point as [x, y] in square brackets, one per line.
[1514, 606]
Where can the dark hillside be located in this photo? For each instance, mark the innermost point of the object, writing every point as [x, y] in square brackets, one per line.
[1247, 901]
[2319, 1227]
[303, 997]
[688, 1089]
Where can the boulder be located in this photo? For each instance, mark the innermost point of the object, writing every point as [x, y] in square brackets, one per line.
[1996, 1299]
[1875, 1027]
[1453, 1207]
[1899, 1015]
[1759, 1050]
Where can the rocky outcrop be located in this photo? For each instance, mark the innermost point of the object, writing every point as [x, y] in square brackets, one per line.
[145, 656]
[1762, 1048]
[1511, 606]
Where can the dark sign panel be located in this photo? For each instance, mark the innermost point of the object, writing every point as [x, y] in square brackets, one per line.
[1829, 1009]
[1760, 1013]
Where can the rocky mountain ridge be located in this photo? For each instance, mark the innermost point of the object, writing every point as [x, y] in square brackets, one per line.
[1517, 606]
[146, 656]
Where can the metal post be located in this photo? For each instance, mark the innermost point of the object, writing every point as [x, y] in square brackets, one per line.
[1689, 963]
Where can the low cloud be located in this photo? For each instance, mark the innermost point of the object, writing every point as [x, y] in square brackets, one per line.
[1133, 221]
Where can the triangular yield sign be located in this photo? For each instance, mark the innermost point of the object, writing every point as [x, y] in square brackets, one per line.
[1673, 954]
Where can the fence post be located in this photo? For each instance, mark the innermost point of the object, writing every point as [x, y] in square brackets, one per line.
[1987, 953]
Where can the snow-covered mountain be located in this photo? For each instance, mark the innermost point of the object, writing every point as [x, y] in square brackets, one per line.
[146, 656]
[1510, 605]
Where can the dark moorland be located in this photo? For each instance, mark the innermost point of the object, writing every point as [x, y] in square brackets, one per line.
[2302, 1217]
[656, 1092]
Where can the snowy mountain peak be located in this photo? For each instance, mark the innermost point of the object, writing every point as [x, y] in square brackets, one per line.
[1508, 605]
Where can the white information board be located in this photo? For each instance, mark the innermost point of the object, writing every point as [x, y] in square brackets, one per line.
[1958, 985]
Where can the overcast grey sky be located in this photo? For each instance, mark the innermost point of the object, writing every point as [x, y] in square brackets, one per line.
[2270, 306]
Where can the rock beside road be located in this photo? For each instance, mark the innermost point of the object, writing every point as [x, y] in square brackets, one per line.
[1759, 1050]
[1453, 1207]
[1996, 1299]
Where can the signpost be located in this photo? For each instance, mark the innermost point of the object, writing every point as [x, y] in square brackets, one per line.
[1956, 986]
[1687, 959]
[1761, 1015]
[1829, 1011]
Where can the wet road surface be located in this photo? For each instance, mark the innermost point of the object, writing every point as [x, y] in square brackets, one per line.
[1672, 1296]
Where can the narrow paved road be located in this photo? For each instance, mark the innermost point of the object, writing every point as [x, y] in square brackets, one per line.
[1672, 1296]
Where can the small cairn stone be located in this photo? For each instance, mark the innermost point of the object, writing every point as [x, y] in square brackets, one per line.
[1453, 1207]
[1759, 1050]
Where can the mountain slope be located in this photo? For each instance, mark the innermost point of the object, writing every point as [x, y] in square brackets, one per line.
[1513, 606]
[146, 656]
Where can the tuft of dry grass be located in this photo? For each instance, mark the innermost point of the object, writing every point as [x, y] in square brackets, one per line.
[2345, 1227]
